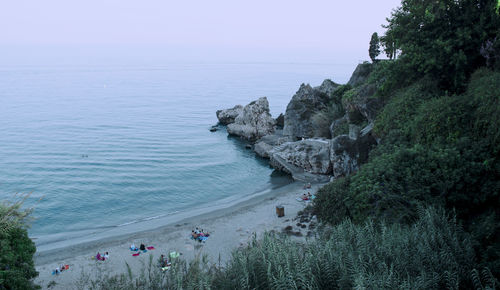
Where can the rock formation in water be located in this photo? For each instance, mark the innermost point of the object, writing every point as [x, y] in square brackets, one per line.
[254, 122]
[227, 116]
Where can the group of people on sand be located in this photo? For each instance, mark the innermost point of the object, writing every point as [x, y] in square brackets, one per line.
[60, 269]
[102, 257]
[307, 196]
[142, 247]
[199, 235]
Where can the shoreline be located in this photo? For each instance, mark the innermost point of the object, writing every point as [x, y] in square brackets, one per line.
[58, 241]
[231, 226]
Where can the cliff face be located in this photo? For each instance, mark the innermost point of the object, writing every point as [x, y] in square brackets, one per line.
[305, 104]
[300, 111]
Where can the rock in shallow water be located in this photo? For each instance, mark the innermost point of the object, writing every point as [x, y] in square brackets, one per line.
[254, 121]
[228, 116]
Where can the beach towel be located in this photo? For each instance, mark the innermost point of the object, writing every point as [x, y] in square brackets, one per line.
[150, 248]
[306, 200]
[174, 255]
[136, 254]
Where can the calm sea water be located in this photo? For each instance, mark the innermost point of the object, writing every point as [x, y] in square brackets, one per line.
[105, 146]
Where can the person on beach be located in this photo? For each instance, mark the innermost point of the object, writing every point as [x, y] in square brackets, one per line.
[164, 261]
[142, 247]
[105, 256]
[98, 256]
[57, 271]
[309, 195]
[133, 247]
[194, 235]
[305, 197]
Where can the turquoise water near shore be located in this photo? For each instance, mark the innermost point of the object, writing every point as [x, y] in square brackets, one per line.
[107, 146]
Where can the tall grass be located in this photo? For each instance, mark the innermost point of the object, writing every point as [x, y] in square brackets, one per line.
[432, 253]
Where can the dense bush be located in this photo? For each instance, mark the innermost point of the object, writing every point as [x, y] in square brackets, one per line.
[392, 185]
[432, 253]
[442, 39]
[16, 248]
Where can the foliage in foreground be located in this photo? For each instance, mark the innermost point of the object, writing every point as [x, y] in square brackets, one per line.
[16, 248]
[431, 253]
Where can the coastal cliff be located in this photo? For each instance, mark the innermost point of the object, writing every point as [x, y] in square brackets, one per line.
[325, 135]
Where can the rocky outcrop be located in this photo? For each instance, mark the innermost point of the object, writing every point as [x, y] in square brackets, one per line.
[306, 160]
[312, 155]
[299, 112]
[267, 143]
[227, 116]
[327, 87]
[296, 172]
[346, 154]
[339, 157]
[254, 121]
[360, 74]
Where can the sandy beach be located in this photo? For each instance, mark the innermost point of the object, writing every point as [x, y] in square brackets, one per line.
[229, 227]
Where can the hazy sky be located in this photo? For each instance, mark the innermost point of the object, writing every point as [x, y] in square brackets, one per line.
[231, 30]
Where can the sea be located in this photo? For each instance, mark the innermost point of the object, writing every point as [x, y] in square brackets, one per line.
[99, 147]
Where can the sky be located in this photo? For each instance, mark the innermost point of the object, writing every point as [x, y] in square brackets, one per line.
[226, 30]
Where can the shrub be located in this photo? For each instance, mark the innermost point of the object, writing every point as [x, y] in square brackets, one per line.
[16, 248]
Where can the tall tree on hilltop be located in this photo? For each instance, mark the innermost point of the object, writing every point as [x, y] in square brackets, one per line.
[389, 43]
[374, 49]
[443, 38]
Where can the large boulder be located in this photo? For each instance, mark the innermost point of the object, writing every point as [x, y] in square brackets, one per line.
[227, 116]
[267, 143]
[254, 121]
[347, 153]
[299, 112]
[312, 155]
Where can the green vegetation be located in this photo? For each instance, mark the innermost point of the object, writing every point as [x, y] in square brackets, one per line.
[16, 248]
[442, 39]
[439, 127]
[374, 49]
[432, 253]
